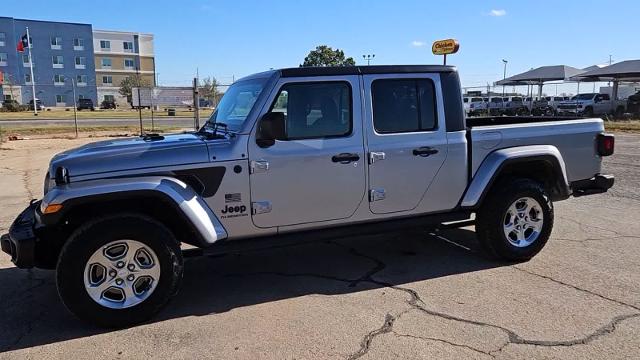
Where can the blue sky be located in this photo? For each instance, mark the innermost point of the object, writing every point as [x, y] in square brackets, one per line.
[236, 38]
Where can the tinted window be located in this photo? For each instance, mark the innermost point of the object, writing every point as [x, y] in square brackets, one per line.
[403, 105]
[315, 110]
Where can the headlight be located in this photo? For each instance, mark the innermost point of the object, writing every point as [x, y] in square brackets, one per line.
[48, 183]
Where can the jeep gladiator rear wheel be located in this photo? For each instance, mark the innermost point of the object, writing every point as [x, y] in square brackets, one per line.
[119, 270]
[515, 220]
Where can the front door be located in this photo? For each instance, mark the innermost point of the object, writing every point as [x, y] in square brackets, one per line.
[318, 173]
[406, 139]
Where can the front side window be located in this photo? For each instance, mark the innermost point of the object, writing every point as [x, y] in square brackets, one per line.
[237, 102]
[403, 105]
[315, 110]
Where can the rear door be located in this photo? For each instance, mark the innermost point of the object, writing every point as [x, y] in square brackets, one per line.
[406, 138]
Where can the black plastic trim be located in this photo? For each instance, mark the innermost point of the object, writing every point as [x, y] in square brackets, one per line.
[452, 98]
[596, 185]
[360, 70]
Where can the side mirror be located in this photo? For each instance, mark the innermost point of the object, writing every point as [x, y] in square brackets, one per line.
[271, 128]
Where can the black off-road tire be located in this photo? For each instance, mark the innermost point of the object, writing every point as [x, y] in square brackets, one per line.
[491, 216]
[99, 232]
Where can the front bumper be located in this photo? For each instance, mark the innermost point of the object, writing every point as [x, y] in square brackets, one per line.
[596, 185]
[20, 242]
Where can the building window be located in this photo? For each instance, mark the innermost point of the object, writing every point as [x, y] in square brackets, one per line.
[58, 61]
[3, 59]
[80, 97]
[25, 59]
[106, 63]
[109, 98]
[81, 80]
[27, 78]
[105, 45]
[2, 39]
[81, 62]
[60, 101]
[56, 43]
[128, 46]
[58, 79]
[78, 44]
[129, 64]
[107, 80]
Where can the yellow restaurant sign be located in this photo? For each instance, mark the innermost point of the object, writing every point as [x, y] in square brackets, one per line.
[444, 47]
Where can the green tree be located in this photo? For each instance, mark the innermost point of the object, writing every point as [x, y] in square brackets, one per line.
[131, 82]
[209, 90]
[324, 55]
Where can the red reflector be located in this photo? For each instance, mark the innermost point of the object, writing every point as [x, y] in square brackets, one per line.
[606, 144]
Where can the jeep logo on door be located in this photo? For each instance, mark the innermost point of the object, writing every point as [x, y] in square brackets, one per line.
[231, 211]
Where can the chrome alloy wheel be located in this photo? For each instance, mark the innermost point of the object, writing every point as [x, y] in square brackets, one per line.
[121, 274]
[523, 222]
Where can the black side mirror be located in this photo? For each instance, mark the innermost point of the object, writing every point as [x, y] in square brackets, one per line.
[271, 128]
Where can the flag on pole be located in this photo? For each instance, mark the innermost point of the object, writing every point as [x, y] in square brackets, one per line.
[23, 43]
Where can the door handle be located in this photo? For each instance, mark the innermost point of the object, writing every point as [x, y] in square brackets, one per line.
[345, 158]
[424, 151]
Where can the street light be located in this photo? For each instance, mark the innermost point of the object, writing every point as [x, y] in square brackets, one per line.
[504, 75]
[369, 58]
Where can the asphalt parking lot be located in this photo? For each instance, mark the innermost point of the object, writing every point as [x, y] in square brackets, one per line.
[407, 295]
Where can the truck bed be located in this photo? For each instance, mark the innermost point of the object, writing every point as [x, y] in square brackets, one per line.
[574, 138]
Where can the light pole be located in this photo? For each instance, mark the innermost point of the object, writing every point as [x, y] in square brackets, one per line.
[75, 105]
[504, 74]
[369, 58]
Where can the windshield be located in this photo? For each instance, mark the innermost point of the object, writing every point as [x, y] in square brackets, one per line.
[237, 102]
[583, 97]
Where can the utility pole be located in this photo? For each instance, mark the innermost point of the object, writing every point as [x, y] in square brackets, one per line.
[504, 75]
[369, 58]
[75, 105]
[196, 104]
[33, 79]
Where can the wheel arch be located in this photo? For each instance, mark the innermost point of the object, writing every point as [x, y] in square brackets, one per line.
[542, 163]
[168, 200]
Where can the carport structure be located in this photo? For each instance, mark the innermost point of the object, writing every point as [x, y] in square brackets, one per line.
[619, 72]
[541, 75]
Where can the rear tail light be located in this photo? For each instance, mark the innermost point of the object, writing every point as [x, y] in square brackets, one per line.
[605, 144]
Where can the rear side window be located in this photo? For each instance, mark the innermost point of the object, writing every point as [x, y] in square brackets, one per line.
[403, 105]
[315, 109]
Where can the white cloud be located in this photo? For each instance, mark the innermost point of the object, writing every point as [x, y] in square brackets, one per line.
[498, 12]
[418, 43]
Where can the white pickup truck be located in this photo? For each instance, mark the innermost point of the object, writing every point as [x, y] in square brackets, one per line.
[295, 155]
[592, 104]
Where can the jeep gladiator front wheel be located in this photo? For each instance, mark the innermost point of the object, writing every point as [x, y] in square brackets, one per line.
[119, 270]
[515, 220]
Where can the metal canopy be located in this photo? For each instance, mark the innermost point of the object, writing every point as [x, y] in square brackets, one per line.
[624, 70]
[541, 75]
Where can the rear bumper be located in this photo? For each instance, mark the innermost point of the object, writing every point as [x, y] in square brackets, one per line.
[596, 185]
[20, 242]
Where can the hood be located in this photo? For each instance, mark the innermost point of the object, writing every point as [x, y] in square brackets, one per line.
[132, 153]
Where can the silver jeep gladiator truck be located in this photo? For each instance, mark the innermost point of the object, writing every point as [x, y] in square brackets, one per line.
[295, 155]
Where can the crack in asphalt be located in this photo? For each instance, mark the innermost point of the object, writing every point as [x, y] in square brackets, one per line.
[576, 288]
[446, 342]
[416, 303]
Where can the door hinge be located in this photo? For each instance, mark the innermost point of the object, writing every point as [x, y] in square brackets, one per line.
[376, 195]
[260, 207]
[258, 166]
[375, 156]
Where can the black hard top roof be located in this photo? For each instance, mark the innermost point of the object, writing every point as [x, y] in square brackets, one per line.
[358, 70]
